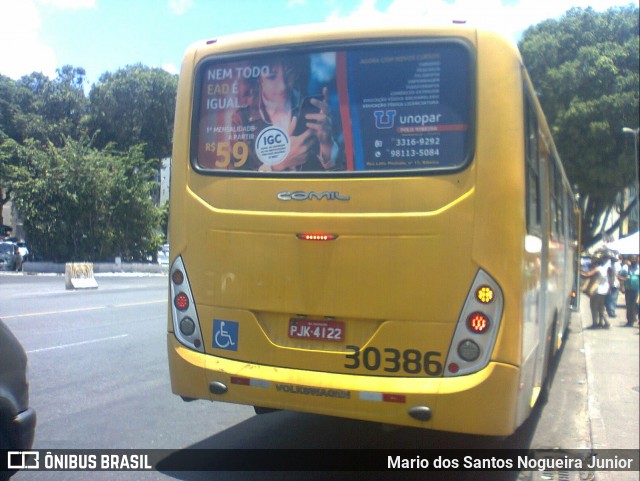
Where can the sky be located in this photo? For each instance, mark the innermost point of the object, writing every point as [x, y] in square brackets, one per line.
[106, 35]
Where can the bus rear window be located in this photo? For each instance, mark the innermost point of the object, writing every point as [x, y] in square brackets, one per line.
[366, 109]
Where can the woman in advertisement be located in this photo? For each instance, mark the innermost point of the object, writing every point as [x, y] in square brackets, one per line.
[302, 126]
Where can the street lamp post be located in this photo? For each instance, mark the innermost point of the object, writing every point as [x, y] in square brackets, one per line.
[635, 133]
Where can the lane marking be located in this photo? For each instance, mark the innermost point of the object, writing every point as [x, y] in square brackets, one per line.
[65, 311]
[134, 304]
[80, 309]
[82, 343]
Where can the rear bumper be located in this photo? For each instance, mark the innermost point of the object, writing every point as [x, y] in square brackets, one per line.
[481, 403]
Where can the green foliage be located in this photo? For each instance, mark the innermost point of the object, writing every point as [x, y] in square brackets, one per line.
[12, 121]
[79, 203]
[585, 69]
[132, 106]
[82, 199]
[164, 220]
[39, 108]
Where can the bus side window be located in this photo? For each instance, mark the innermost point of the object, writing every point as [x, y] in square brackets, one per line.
[533, 194]
[553, 221]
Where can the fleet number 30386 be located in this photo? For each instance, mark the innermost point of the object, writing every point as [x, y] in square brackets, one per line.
[389, 359]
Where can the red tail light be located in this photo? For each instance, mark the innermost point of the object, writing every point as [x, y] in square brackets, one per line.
[477, 328]
[186, 326]
[478, 322]
[181, 301]
[317, 237]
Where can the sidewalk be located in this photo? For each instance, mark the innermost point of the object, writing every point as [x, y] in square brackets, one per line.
[98, 267]
[613, 401]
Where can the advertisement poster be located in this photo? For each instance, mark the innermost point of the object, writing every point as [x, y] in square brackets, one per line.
[367, 109]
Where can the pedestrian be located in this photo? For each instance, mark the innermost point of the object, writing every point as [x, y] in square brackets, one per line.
[611, 300]
[629, 275]
[598, 296]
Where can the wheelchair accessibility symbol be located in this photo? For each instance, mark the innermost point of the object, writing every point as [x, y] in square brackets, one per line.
[225, 334]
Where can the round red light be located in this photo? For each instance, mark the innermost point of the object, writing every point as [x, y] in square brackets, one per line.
[181, 302]
[478, 322]
[453, 368]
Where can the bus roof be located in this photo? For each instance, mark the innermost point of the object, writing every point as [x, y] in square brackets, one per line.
[331, 32]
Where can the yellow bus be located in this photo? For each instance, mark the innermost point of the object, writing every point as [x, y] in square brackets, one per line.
[367, 223]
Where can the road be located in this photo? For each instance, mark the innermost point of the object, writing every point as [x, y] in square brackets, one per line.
[99, 379]
[98, 367]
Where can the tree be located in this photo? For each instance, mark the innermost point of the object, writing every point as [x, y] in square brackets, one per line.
[39, 108]
[79, 203]
[49, 110]
[12, 122]
[7, 168]
[585, 69]
[135, 105]
[81, 173]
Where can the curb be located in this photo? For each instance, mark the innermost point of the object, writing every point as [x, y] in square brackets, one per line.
[98, 268]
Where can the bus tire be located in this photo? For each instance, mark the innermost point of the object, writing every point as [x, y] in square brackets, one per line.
[549, 363]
